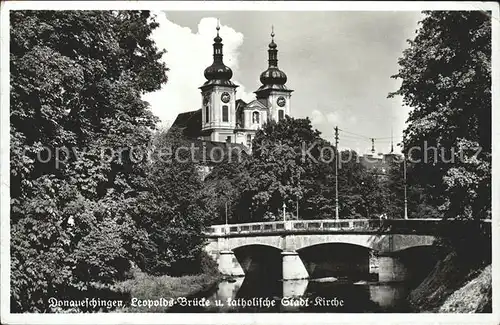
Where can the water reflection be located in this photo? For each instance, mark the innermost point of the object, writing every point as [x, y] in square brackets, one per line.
[311, 296]
[388, 296]
[227, 289]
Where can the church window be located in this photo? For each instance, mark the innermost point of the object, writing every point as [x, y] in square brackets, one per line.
[249, 141]
[281, 115]
[255, 118]
[207, 114]
[225, 113]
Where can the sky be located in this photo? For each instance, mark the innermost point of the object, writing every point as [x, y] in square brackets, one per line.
[338, 63]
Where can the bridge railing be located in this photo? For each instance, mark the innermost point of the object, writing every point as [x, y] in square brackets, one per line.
[294, 225]
[327, 225]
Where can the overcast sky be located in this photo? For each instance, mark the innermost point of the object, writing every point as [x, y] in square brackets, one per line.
[338, 63]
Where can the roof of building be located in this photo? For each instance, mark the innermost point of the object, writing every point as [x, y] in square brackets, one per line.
[273, 78]
[218, 74]
[240, 102]
[255, 104]
[189, 122]
[206, 152]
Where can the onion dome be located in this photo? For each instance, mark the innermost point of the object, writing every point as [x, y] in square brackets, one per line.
[218, 72]
[273, 75]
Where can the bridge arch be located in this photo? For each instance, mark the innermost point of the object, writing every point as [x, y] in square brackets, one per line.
[408, 242]
[271, 241]
[259, 260]
[301, 242]
[336, 259]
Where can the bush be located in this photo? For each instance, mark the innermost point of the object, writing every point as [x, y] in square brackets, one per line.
[207, 264]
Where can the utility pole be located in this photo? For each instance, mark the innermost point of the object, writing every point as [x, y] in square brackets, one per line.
[336, 173]
[392, 143]
[404, 171]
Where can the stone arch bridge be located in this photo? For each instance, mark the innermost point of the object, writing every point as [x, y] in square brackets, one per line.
[300, 249]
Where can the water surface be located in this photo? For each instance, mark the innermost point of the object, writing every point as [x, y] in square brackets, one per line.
[255, 294]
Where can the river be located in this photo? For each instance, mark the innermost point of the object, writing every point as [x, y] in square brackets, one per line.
[256, 294]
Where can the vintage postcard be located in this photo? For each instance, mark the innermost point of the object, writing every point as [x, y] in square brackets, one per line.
[226, 162]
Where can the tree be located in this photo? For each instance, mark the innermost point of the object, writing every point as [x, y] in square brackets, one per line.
[446, 80]
[223, 191]
[361, 192]
[418, 204]
[290, 164]
[76, 83]
[171, 210]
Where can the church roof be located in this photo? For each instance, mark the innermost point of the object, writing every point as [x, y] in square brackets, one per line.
[189, 122]
[273, 78]
[240, 102]
[218, 74]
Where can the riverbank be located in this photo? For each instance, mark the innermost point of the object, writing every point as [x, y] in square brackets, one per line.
[474, 297]
[147, 287]
[454, 286]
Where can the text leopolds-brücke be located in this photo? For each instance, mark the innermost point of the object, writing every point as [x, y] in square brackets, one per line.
[240, 302]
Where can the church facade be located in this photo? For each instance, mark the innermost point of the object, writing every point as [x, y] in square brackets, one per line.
[225, 118]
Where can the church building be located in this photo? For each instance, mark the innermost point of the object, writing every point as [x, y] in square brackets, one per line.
[225, 118]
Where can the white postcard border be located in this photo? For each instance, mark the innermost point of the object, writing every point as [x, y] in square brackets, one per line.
[240, 318]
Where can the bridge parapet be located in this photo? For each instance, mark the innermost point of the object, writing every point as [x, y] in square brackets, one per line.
[401, 226]
[292, 226]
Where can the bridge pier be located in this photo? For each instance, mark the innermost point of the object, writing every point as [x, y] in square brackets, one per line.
[229, 265]
[293, 268]
[295, 288]
[391, 269]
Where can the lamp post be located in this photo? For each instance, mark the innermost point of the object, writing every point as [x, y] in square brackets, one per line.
[226, 214]
[297, 199]
[297, 209]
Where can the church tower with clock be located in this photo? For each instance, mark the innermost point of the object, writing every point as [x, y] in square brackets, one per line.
[225, 119]
[273, 92]
[218, 98]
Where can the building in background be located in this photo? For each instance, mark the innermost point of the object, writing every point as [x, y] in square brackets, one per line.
[380, 163]
[223, 118]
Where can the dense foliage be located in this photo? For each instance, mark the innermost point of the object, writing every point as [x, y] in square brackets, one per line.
[292, 164]
[76, 83]
[171, 211]
[446, 80]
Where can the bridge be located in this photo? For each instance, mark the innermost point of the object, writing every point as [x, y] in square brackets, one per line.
[391, 250]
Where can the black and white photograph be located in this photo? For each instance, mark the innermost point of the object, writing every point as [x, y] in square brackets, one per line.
[226, 162]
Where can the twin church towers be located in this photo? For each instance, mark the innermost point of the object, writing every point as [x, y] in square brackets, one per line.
[224, 118]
